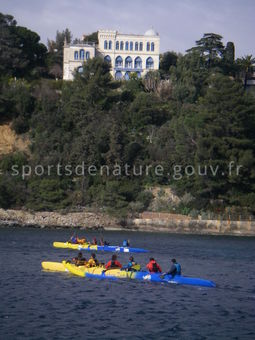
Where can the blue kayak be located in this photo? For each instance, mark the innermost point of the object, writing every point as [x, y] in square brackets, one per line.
[177, 279]
[122, 249]
[117, 273]
[146, 276]
[91, 247]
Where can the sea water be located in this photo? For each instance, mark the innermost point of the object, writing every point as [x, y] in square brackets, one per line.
[35, 304]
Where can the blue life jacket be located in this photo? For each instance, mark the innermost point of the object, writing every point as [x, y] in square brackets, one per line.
[178, 268]
[74, 239]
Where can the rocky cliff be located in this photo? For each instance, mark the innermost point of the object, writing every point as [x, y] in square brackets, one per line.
[146, 222]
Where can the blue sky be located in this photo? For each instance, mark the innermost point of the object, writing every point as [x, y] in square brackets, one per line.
[179, 22]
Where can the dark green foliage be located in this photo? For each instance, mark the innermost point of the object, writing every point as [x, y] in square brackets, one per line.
[189, 77]
[93, 37]
[229, 53]
[21, 53]
[147, 110]
[245, 68]
[210, 47]
[17, 103]
[47, 194]
[167, 60]
[55, 55]
[12, 188]
[205, 120]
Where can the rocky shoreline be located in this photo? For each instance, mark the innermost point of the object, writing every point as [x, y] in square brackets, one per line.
[145, 222]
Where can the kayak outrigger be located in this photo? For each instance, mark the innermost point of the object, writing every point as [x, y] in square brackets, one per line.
[101, 273]
[92, 247]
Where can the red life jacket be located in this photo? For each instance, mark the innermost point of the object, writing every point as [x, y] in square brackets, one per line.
[154, 267]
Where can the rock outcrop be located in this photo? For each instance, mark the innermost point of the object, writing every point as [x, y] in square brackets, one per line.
[145, 222]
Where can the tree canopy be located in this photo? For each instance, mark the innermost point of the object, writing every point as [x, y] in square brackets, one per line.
[193, 118]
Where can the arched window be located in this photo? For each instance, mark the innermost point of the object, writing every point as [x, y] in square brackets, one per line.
[140, 46]
[152, 46]
[138, 62]
[105, 44]
[118, 75]
[87, 55]
[80, 69]
[82, 55]
[149, 63]
[107, 58]
[138, 75]
[136, 46]
[128, 62]
[110, 45]
[118, 61]
[148, 46]
[127, 75]
[121, 45]
[126, 45]
[131, 46]
[76, 55]
[117, 45]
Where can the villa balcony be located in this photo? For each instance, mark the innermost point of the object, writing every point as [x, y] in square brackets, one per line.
[128, 69]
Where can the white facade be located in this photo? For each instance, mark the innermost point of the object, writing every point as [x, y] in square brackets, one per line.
[127, 53]
[75, 56]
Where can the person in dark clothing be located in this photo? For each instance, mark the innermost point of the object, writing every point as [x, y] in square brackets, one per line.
[104, 243]
[79, 260]
[175, 268]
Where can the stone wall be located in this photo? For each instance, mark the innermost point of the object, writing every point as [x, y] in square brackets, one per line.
[189, 226]
[146, 222]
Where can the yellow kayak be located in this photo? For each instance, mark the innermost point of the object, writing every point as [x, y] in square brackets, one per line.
[67, 245]
[101, 273]
[54, 266]
[65, 266]
[92, 247]
[82, 271]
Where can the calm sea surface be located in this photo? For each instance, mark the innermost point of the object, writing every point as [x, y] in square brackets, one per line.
[35, 304]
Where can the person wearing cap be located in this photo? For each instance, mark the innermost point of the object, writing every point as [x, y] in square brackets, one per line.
[175, 268]
[153, 266]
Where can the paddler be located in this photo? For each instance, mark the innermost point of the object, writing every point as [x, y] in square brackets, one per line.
[113, 263]
[79, 260]
[94, 242]
[103, 243]
[73, 239]
[126, 243]
[175, 268]
[153, 266]
[93, 261]
[82, 240]
[132, 265]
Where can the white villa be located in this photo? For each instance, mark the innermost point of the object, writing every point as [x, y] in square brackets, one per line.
[126, 52]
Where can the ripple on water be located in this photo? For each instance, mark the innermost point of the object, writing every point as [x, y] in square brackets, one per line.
[40, 305]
